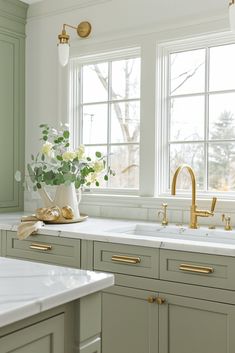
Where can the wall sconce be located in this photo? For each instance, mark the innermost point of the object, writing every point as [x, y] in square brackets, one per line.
[232, 14]
[83, 31]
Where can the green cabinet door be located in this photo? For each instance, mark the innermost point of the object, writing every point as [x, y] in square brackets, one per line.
[188, 325]
[44, 337]
[129, 321]
[12, 97]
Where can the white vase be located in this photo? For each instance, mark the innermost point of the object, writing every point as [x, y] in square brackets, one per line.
[65, 196]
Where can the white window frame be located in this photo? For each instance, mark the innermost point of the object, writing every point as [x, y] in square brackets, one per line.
[76, 81]
[163, 113]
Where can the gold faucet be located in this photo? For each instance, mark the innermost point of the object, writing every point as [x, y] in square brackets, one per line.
[194, 212]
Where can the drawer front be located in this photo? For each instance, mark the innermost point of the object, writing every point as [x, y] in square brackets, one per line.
[45, 248]
[126, 259]
[195, 268]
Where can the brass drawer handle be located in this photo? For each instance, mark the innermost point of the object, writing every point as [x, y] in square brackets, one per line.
[43, 247]
[126, 259]
[196, 269]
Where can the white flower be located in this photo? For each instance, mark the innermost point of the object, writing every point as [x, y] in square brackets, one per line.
[68, 156]
[98, 166]
[80, 152]
[91, 178]
[47, 149]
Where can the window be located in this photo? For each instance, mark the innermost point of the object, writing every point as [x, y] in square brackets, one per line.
[108, 113]
[200, 131]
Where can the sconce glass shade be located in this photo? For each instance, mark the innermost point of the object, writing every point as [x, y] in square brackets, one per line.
[63, 53]
[232, 16]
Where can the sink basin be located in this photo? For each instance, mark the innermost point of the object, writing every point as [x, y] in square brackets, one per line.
[177, 232]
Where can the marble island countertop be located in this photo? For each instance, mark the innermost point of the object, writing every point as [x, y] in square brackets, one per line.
[28, 288]
[149, 234]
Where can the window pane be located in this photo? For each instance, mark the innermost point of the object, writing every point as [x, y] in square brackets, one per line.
[222, 74]
[125, 123]
[192, 154]
[125, 162]
[95, 83]
[95, 124]
[222, 167]
[187, 72]
[126, 79]
[187, 119]
[222, 110]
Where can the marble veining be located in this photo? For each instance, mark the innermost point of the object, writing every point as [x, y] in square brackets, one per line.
[28, 288]
[171, 237]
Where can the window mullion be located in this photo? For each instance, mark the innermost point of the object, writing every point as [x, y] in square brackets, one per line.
[206, 127]
[109, 115]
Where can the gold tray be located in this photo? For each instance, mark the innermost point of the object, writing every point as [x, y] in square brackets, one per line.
[67, 221]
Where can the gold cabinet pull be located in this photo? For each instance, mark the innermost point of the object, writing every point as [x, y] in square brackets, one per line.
[196, 269]
[126, 259]
[151, 299]
[43, 247]
[160, 300]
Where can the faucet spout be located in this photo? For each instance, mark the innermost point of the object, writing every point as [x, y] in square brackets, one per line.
[193, 179]
[194, 212]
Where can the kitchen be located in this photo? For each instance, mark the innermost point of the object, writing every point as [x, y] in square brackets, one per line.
[148, 89]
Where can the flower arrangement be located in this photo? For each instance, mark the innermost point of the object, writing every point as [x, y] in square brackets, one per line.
[57, 164]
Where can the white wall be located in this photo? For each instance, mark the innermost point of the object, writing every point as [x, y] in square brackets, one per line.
[113, 21]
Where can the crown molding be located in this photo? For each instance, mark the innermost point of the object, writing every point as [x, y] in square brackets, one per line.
[57, 7]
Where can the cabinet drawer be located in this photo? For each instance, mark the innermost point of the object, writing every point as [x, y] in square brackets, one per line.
[195, 268]
[45, 248]
[126, 259]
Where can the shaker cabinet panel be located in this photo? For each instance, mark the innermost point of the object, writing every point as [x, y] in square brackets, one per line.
[195, 326]
[129, 321]
[12, 96]
[45, 248]
[44, 337]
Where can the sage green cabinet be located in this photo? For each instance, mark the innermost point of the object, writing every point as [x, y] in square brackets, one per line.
[44, 248]
[43, 337]
[195, 326]
[12, 87]
[129, 321]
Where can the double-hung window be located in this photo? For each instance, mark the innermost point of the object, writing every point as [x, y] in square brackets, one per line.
[199, 122]
[106, 112]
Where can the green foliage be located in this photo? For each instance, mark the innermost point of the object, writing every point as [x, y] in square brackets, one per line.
[55, 164]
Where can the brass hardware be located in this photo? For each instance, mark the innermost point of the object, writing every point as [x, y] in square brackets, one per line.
[232, 2]
[164, 214]
[151, 299]
[43, 247]
[194, 212]
[126, 259]
[196, 269]
[227, 221]
[83, 31]
[160, 300]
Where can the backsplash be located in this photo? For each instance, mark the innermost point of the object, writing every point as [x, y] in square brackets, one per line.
[176, 215]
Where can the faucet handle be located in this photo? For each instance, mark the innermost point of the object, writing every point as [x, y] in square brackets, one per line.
[213, 203]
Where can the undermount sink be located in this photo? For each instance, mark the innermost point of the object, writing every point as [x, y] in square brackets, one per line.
[177, 232]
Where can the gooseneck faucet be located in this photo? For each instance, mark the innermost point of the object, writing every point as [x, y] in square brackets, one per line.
[194, 212]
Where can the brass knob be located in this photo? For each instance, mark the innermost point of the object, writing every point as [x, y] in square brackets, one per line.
[151, 299]
[160, 300]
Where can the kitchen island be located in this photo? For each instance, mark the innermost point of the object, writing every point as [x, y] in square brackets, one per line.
[49, 309]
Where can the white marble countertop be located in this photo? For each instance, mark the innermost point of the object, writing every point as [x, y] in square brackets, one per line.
[203, 240]
[28, 288]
